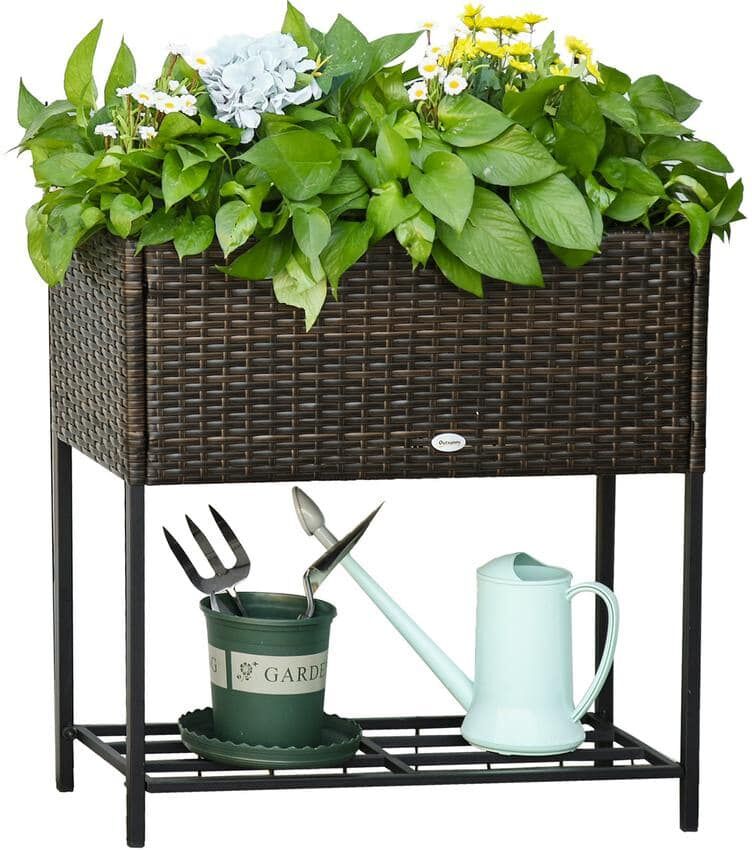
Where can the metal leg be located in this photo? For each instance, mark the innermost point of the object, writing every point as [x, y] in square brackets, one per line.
[605, 501]
[690, 702]
[134, 664]
[62, 584]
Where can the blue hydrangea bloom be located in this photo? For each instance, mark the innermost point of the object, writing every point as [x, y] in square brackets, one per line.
[250, 76]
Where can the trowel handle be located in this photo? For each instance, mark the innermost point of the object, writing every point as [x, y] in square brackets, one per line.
[607, 659]
[453, 679]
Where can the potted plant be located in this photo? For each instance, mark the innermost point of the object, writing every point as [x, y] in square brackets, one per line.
[504, 243]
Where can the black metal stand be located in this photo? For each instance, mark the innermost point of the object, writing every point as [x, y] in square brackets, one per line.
[429, 750]
[605, 538]
[690, 702]
[135, 778]
[62, 584]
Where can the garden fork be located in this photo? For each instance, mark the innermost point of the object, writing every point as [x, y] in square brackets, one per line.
[224, 578]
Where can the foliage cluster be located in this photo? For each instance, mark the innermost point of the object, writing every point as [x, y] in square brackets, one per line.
[489, 143]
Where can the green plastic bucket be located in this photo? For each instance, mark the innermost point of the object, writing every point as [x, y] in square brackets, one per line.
[268, 670]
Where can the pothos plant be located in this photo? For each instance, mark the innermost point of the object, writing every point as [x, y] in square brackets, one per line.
[299, 150]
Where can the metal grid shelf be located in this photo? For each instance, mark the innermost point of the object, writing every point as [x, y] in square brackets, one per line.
[393, 751]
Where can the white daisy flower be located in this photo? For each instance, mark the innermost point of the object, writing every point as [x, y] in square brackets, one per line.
[187, 104]
[125, 91]
[173, 86]
[455, 83]
[147, 133]
[428, 25]
[417, 91]
[166, 103]
[434, 51]
[108, 130]
[199, 61]
[429, 69]
[144, 95]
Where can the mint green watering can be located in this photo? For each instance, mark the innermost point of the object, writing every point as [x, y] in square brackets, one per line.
[521, 702]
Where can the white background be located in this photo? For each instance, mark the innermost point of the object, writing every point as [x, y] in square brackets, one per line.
[425, 545]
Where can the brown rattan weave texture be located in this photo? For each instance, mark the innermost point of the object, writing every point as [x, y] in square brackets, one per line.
[97, 357]
[603, 370]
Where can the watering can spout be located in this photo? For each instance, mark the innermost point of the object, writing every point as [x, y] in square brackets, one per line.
[448, 673]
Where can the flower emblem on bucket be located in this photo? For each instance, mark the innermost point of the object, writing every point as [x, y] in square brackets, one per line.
[246, 670]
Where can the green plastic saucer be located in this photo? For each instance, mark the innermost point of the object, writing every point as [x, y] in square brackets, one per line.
[339, 743]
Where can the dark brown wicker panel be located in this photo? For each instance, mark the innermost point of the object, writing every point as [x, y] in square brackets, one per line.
[603, 370]
[97, 357]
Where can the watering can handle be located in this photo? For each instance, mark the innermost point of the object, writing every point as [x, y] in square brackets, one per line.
[607, 659]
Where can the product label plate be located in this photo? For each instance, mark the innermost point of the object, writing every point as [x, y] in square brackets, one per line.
[448, 443]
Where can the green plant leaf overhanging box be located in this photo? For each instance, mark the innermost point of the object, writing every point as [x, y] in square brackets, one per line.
[472, 159]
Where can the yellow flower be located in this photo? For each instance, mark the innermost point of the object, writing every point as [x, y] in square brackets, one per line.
[464, 48]
[578, 48]
[523, 67]
[471, 14]
[509, 25]
[521, 48]
[560, 70]
[531, 19]
[428, 25]
[493, 48]
[594, 70]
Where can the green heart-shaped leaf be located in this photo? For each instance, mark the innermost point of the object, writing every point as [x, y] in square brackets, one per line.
[445, 188]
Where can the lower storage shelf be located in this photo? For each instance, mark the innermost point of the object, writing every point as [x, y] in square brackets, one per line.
[396, 751]
[393, 751]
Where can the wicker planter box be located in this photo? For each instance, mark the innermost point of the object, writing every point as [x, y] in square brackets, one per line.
[166, 372]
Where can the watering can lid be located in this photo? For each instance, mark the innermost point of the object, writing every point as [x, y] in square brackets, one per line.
[503, 569]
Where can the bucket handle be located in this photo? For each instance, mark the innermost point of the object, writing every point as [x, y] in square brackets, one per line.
[607, 659]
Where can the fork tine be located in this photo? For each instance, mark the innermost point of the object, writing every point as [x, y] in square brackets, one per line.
[206, 547]
[183, 560]
[237, 549]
